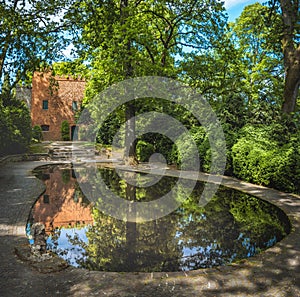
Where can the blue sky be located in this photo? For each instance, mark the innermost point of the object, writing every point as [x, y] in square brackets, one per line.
[235, 7]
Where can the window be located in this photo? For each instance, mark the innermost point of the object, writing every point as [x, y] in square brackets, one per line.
[45, 128]
[45, 104]
[46, 199]
[74, 106]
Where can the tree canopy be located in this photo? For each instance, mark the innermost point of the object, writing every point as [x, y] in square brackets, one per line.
[31, 33]
[248, 70]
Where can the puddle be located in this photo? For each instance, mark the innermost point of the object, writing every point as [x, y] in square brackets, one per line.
[232, 226]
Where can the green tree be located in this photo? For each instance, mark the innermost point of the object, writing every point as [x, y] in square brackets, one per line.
[75, 68]
[260, 60]
[124, 39]
[15, 127]
[246, 63]
[30, 34]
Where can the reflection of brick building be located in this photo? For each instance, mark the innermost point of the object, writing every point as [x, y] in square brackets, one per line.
[62, 204]
[54, 100]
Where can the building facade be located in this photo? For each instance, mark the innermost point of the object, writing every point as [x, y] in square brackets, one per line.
[55, 99]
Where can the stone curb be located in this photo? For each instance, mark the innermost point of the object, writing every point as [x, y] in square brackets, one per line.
[24, 157]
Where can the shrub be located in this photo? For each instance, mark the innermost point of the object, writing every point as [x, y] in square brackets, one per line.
[181, 153]
[15, 127]
[6, 131]
[65, 131]
[144, 150]
[259, 157]
[150, 143]
[37, 134]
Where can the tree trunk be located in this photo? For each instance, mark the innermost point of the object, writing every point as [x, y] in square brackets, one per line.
[130, 157]
[291, 55]
[291, 87]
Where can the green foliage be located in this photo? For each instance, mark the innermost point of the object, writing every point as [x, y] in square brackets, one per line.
[15, 127]
[37, 134]
[74, 68]
[259, 156]
[145, 35]
[126, 39]
[144, 150]
[110, 127]
[242, 75]
[30, 35]
[260, 55]
[180, 153]
[38, 148]
[65, 131]
[150, 143]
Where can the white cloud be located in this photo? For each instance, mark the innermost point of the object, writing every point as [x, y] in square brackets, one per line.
[67, 52]
[232, 3]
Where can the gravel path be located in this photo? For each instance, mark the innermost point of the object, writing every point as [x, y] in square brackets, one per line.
[275, 272]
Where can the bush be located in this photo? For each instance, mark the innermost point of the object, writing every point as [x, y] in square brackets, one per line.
[65, 131]
[6, 131]
[182, 154]
[259, 157]
[150, 143]
[37, 134]
[15, 127]
[144, 150]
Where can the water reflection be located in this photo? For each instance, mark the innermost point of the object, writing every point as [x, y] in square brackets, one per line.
[62, 204]
[231, 226]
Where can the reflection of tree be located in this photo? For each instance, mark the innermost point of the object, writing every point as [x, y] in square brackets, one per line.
[66, 175]
[116, 245]
[231, 226]
[254, 214]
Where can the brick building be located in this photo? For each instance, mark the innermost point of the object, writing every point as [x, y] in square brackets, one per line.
[54, 100]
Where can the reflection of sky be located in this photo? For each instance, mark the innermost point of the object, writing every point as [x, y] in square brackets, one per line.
[192, 254]
[63, 247]
[68, 251]
[203, 256]
[204, 251]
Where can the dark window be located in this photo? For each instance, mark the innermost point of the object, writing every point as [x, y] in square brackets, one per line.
[74, 106]
[45, 104]
[45, 128]
[46, 199]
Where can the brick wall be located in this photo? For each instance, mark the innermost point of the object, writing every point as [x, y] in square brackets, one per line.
[60, 93]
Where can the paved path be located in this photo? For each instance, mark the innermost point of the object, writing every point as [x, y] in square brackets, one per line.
[275, 272]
